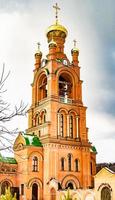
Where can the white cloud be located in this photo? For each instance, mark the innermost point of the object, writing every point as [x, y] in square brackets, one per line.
[19, 32]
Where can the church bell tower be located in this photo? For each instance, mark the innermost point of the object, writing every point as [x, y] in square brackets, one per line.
[58, 116]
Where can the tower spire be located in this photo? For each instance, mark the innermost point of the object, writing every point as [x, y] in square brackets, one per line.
[56, 9]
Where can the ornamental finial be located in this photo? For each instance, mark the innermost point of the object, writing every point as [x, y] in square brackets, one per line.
[38, 52]
[38, 46]
[56, 8]
[75, 42]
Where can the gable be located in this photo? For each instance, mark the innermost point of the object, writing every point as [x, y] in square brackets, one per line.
[104, 172]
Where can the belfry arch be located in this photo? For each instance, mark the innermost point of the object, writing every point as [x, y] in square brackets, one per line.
[42, 87]
[65, 85]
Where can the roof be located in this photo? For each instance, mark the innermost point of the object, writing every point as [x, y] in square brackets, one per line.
[105, 172]
[32, 140]
[8, 160]
[93, 149]
[110, 166]
[56, 27]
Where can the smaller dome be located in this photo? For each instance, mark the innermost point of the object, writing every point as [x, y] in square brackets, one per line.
[56, 27]
[75, 50]
[39, 53]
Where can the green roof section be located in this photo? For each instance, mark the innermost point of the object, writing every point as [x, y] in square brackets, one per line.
[32, 140]
[93, 149]
[8, 160]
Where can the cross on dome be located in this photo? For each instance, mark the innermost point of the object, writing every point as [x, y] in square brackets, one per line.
[38, 46]
[56, 9]
[75, 42]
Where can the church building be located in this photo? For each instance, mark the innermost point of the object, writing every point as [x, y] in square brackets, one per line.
[55, 153]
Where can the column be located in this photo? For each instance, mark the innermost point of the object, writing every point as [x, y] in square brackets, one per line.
[67, 125]
[77, 127]
[58, 125]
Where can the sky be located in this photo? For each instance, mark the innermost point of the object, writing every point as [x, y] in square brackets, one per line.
[23, 23]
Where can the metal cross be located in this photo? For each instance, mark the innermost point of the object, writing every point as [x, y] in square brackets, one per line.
[74, 41]
[57, 8]
[38, 46]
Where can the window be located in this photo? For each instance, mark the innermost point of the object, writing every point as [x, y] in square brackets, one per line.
[4, 185]
[22, 189]
[91, 168]
[61, 125]
[71, 126]
[76, 165]
[62, 164]
[43, 116]
[105, 194]
[52, 194]
[69, 162]
[39, 133]
[35, 164]
[38, 119]
[70, 186]
[42, 93]
[34, 191]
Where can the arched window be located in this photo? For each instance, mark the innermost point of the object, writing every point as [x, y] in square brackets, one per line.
[71, 126]
[105, 194]
[91, 168]
[65, 86]
[42, 87]
[4, 186]
[62, 164]
[69, 162]
[53, 194]
[76, 165]
[61, 125]
[38, 119]
[34, 191]
[43, 116]
[70, 186]
[35, 164]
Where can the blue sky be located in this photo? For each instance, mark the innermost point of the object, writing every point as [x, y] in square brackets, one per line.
[92, 23]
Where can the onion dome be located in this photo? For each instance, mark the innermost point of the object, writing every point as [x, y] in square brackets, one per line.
[76, 50]
[56, 30]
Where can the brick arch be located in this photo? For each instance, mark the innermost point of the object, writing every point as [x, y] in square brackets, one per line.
[35, 180]
[104, 185]
[67, 69]
[35, 153]
[70, 178]
[4, 184]
[65, 76]
[63, 110]
[38, 75]
[7, 180]
[74, 112]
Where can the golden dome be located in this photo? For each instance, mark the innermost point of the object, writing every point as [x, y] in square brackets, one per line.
[56, 27]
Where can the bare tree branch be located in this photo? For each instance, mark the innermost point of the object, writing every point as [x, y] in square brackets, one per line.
[7, 114]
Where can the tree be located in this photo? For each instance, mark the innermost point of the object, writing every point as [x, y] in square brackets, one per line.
[7, 114]
[67, 196]
[8, 195]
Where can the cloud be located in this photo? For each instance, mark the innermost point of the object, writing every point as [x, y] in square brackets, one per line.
[92, 23]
